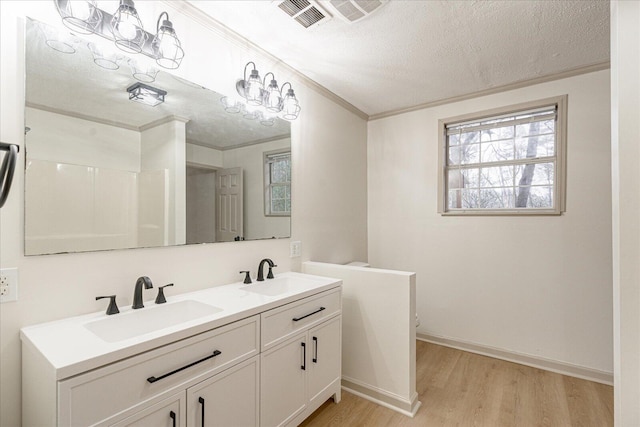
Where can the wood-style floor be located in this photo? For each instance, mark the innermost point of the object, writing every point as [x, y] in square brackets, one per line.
[457, 388]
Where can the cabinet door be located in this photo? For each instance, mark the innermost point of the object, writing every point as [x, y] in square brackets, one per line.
[228, 399]
[282, 385]
[324, 359]
[166, 413]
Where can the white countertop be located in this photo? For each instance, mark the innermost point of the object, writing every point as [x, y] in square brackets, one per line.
[71, 348]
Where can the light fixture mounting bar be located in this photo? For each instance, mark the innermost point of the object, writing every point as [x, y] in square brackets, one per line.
[103, 29]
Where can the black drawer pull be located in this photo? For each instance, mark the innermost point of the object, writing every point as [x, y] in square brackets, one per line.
[201, 400]
[315, 341]
[172, 415]
[295, 319]
[304, 356]
[154, 379]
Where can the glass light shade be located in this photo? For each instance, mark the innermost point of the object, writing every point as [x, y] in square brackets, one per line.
[252, 112]
[56, 40]
[272, 99]
[81, 16]
[142, 71]
[103, 58]
[168, 47]
[127, 28]
[231, 105]
[268, 118]
[290, 106]
[253, 89]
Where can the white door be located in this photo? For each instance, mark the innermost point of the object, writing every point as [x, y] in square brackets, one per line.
[229, 205]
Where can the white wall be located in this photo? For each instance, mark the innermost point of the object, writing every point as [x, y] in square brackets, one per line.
[329, 205]
[163, 147]
[538, 286]
[250, 159]
[625, 108]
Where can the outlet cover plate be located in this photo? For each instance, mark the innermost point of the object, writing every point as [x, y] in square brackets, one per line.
[8, 284]
[295, 249]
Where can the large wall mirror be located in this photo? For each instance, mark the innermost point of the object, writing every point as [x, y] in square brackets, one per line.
[104, 172]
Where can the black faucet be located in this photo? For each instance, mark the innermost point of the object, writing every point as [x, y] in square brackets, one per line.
[260, 268]
[137, 293]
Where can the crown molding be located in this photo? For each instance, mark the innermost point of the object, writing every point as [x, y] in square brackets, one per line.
[244, 144]
[504, 88]
[82, 116]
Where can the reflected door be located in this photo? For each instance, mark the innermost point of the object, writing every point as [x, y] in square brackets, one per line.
[229, 205]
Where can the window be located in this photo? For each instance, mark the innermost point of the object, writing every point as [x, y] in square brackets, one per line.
[277, 183]
[504, 162]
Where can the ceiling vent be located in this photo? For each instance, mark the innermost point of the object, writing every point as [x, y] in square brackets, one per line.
[307, 13]
[355, 10]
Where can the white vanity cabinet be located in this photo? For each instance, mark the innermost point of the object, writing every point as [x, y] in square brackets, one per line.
[271, 363]
[301, 358]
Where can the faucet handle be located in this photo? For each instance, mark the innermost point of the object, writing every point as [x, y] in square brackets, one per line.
[160, 299]
[270, 273]
[247, 277]
[113, 307]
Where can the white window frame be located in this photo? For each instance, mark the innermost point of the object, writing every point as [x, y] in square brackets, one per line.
[559, 159]
[267, 182]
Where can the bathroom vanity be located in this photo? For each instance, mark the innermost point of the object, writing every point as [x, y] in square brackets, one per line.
[265, 354]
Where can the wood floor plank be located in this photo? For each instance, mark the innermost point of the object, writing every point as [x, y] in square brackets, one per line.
[462, 389]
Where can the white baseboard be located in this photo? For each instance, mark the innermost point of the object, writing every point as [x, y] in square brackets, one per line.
[563, 368]
[381, 397]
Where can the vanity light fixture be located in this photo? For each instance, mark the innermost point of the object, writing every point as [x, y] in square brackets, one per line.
[146, 94]
[251, 88]
[125, 29]
[81, 16]
[271, 96]
[263, 103]
[167, 44]
[290, 106]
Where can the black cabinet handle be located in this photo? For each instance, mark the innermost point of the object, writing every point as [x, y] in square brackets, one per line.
[201, 400]
[304, 356]
[295, 319]
[172, 415]
[315, 341]
[154, 379]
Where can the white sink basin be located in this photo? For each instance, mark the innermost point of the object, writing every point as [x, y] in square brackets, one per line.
[127, 325]
[280, 285]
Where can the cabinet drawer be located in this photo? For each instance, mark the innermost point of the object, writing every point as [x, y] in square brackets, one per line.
[281, 323]
[96, 395]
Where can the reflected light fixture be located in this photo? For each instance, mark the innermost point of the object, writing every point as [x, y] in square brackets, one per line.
[263, 103]
[107, 60]
[125, 29]
[56, 40]
[146, 94]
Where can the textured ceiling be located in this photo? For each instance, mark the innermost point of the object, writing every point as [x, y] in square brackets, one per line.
[74, 85]
[412, 52]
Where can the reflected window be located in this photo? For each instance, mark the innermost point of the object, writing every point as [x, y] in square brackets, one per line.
[507, 161]
[277, 182]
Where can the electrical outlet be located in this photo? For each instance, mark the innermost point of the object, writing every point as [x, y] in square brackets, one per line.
[295, 249]
[8, 284]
